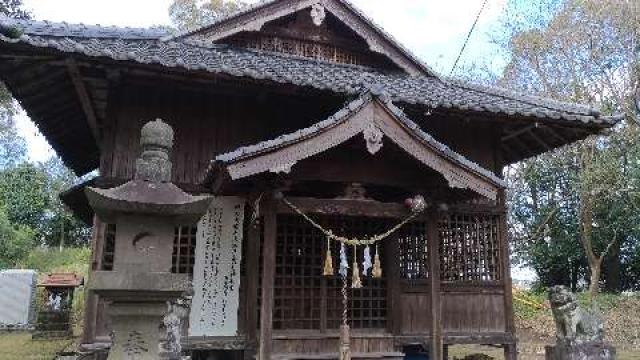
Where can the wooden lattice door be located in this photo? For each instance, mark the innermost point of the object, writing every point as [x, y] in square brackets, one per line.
[306, 300]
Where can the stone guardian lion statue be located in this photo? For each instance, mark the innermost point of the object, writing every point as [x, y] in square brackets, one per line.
[574, 325]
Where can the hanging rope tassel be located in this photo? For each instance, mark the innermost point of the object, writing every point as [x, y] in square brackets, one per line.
[344, 264]
[366, 264]
[328, 261]
[355, 280]
[377, 266]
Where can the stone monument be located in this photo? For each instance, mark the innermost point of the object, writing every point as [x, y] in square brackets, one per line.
[579, 333]
[146, 299]
[17, 299]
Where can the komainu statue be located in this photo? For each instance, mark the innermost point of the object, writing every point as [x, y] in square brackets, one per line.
[573, 323]
[579, 333]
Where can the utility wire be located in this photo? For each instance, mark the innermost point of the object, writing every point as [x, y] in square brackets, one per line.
[466, 41]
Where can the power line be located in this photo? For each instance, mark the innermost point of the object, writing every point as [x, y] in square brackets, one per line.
[466, 41]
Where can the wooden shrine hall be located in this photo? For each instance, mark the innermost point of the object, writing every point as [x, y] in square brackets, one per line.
[352, 185]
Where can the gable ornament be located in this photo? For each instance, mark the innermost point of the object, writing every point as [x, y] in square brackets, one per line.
[318, 14]
[373, 136]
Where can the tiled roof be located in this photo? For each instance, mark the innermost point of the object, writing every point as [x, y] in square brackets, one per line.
[62, 280]
[145, 46]
[54, 29]
[344, 114]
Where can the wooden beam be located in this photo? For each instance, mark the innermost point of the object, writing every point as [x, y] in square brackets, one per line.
[268, 277]
[85, 99]
[527, 150]
[519, 132]
[540, 141]
[512, 153]
[369, 208]
[556, 135]
[433, 239]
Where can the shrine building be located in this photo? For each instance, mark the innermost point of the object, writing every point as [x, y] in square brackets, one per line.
[350, 183]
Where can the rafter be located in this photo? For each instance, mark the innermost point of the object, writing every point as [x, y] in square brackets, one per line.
[542, 143]
[85, 99]
[555, 134]
[519, 132]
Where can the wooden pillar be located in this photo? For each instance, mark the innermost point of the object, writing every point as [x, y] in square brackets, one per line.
[253, 273]
[268, 275]
[433, 237]
[91, 299]
[510, 350]
[392, 269]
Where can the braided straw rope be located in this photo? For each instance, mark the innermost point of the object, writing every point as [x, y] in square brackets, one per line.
[354, 242]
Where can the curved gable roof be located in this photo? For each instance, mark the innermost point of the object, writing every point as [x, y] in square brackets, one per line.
[360, 116]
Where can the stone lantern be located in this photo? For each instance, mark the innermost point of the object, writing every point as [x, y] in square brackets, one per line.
[143, 292]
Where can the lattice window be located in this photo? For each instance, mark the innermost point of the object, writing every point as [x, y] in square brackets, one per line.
[303, 298]
[184, 249]
[469, 248]
[109, 247]
[298, 279]
[303, 48]
[413, 251]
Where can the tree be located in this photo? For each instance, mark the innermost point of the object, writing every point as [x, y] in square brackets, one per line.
[15, 241]
[60, 227]
[190, 14]
[13, 148]
[13, 8]
[23, 193]
[30, 192]
[580, 51]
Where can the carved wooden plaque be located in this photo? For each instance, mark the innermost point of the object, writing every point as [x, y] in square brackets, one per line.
[216, 275]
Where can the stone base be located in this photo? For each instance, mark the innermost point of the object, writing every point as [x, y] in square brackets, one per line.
[136, 330]
[586, 351]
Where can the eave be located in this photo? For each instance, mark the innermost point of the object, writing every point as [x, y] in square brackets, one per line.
[63, 74]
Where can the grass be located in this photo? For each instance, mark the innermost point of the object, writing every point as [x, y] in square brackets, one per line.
[528, 351]
[46, 260]
[19, 346]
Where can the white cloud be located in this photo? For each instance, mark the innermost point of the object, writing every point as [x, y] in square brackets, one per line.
[39, 149]
[435, 29]
[135, 13]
